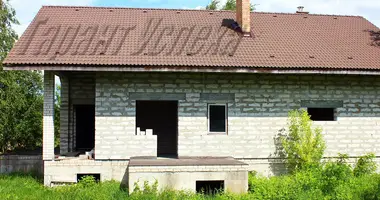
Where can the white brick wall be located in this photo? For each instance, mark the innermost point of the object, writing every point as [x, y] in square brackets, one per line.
[48, 118]
[258, 113]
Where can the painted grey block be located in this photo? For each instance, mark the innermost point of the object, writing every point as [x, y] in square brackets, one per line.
[155, 96]
[322, 103]
[212, 97]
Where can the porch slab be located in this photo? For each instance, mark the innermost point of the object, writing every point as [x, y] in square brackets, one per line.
[184, 173]
[66, 171]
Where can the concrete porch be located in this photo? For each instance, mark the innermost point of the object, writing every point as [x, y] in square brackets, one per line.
[181, 174]
[66, 171]
[186, 173]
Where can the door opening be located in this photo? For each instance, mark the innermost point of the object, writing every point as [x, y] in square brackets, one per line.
[162, 118]
[85, 127]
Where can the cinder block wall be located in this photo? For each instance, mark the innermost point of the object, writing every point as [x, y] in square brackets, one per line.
[21, 163]
[76, 89]
[256, 115]
[115, 135]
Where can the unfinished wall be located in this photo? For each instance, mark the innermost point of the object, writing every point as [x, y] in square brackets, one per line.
[64, 113]
[256, 115]
[76, 89]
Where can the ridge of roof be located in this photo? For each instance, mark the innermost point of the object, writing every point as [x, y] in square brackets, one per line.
[198, 10]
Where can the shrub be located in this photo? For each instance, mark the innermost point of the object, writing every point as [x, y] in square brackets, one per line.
[364, 187]
[365, 165]
[334, 180]
[87, 181]
[300, 185]
[303, 145]
[334, 174]
[148, 191]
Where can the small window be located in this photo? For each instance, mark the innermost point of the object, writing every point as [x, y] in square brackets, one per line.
[209, 187]
[217, 118]
[95, 176]
[322, 114]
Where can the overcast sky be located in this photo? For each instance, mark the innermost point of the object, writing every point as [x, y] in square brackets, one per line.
[370, 9]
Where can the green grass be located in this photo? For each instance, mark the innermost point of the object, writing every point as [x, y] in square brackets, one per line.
[21, 186]
[307, 186]
[310, 184]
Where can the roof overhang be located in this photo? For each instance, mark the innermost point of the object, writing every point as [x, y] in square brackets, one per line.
[262, 70]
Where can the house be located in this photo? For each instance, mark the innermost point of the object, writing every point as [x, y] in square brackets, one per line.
[196, 97]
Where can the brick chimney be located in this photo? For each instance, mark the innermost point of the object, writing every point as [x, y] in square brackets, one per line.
[243, 16]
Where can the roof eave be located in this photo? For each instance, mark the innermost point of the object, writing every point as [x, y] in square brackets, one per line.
[265, 70]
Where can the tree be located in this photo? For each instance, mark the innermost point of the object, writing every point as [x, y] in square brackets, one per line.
[230, 5]
[213, 5]
[21, 98]
[375, 36]
[303, 145]
[7, 34]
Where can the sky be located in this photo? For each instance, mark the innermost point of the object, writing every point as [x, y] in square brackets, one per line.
[370, 9]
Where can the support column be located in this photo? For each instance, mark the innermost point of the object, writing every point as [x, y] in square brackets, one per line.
[64, 115]
[48, 120]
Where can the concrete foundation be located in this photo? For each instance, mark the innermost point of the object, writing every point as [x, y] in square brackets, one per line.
[182, 178]
[178, 174]
[183, 173]
[66, 171]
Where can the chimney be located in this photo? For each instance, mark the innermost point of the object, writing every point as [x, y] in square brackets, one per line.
[243, 16]
[300, 10]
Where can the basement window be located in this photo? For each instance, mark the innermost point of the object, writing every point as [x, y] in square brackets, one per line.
[322, 114]
[95, 176]
[209, 187]
[217, 118]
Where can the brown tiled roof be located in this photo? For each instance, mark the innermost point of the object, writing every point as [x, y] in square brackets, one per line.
[278, 40]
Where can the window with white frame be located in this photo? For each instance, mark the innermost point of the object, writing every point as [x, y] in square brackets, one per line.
[217, 118]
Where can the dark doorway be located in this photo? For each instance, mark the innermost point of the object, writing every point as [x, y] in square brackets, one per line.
[85, 127]
[209, 187]
[162, 117]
